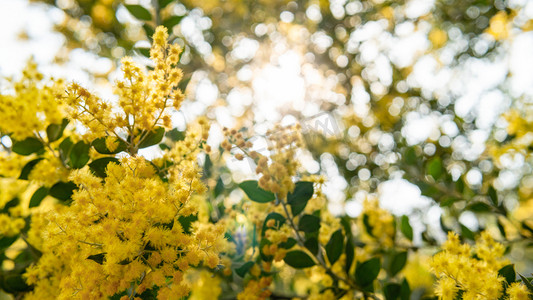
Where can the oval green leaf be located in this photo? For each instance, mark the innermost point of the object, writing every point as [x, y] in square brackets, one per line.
[299, 259]
[255, 193]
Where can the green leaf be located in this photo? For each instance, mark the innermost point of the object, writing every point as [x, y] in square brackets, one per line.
[13, 282]
[7, 241]
[99, 166]
[139, 12]
[367, 225]
[311, 243]
[186, 222]
[175, 135]
[405, 292]
[392, 291]
[460, 185]
[164, 3]
[27, 146]
[98, 258]
[11, 203]
[434, 168]
[79, 155]
[153, 137]
[242, 270]
[172, 21]
[62, 190]
[26, 170]
[309, 223]
[143, 51]
[184, 83]
[448, 201]
[38, 196]
[397, 263]
[493, 195]
[303, 191]
[149, 30]
[288, 244]
[100, 146]
[466, 232]
[334, 246]
[527, 283]
[479, 207]
[410, 156]
[55, 131]
[501, 228]
[508, 273]
[280, 220]
[299, 259]
[367, 272]
[406, 228]
[350, 252]
[255, 193]
[219, 187]
[65, 147]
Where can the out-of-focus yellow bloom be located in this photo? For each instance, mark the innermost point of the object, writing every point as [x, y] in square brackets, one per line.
[33, 106]
[517, 291]
[499, 26]
[381, 224]
[456, 268]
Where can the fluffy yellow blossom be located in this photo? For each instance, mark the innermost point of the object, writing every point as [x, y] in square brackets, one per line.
[135, 229]
[457, 269]
[517, 291]
[204, 285]
[380, 223]
[122, 230]
[145, 98]
[33, 106]
[10, 226]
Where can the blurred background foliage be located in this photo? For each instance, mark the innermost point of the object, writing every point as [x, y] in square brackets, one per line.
[384, 91]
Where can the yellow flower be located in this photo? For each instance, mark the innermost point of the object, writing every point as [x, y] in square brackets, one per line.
[517, 291]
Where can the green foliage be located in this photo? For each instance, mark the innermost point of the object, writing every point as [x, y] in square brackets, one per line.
[99, 166]
[79, 155]
[26, 170]
[298, 259]
[139, 12]
[406, 228]
[367, 272]
[38, 196]
[152, 138]
[100, 146]
[55, 131]
[303, 191]
[335, 246]
[309, 223]
[255, 193]
[27, 146]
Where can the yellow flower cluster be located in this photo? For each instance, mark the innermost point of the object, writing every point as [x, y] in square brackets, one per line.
[48, 171]
[380, 222]
[276, 175]
[33, 105]
[11, 219]
[204, 285]
[125, 232]
[10, 226]
[256, 289]
[144, 97]
[457, 270]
